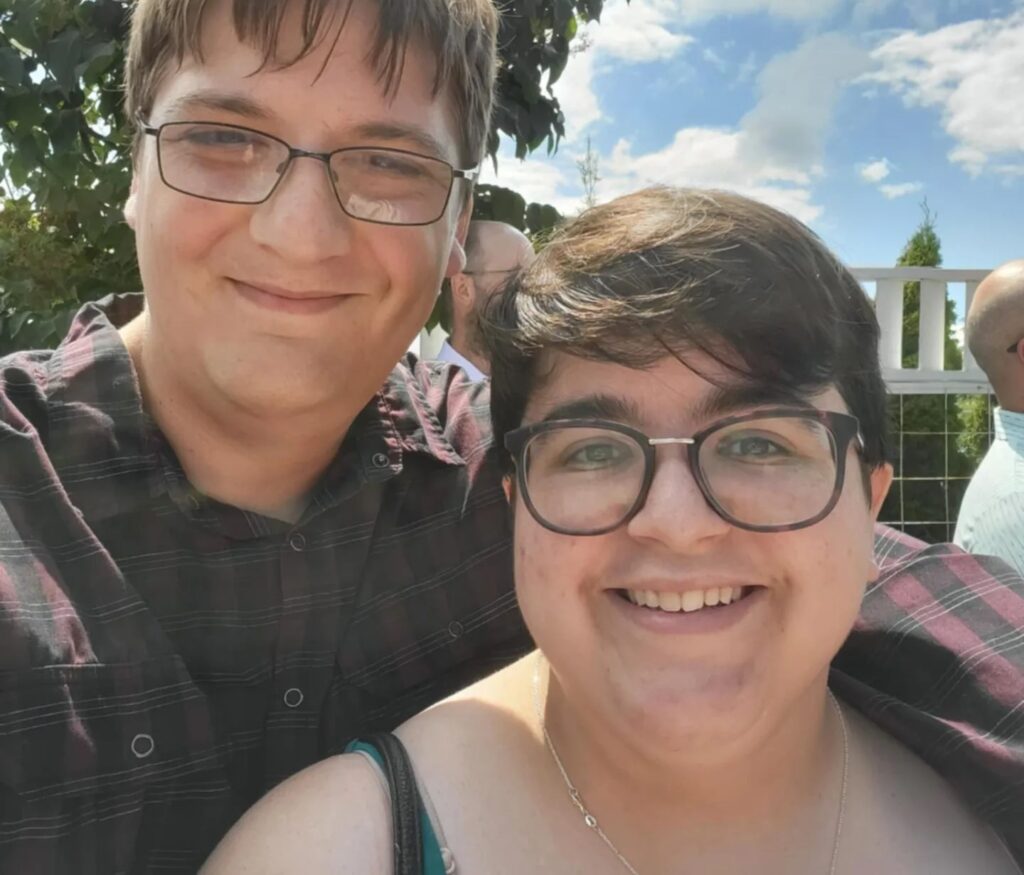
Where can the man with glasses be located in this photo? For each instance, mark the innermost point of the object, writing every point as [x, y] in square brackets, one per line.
[991, 518]
[233, 532]
[494, 251]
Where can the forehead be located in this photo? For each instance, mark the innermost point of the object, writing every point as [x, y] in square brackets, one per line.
[320, 98]
[667, 396]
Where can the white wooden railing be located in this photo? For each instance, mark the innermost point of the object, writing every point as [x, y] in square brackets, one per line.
[885, 285]
[929, 377]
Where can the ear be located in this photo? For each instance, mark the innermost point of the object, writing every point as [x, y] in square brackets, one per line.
[463, 292]
[881, 480]
[131, 205]
[457, 254]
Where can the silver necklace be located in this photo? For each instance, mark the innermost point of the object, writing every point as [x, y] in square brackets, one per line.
[591, 821]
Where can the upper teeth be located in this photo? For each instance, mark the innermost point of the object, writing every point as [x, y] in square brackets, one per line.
[693, 600]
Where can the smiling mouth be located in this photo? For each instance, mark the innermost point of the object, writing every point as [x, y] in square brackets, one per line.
[686, 602]
[286, 302]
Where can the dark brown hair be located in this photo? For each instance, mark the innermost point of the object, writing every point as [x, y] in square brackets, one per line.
[667, 270]
[460, 34]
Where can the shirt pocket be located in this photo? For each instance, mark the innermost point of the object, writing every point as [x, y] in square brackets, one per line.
[80, 745]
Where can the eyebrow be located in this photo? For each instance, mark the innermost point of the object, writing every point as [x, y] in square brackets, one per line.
[242, 105]
[595, 407]
[720, 401]
[220, 101]
[393, 131]
[730, 399]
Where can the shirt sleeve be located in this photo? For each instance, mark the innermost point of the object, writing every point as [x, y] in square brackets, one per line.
[935, 660]
[998, 530]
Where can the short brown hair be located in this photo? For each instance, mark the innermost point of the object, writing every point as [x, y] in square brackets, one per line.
[666, 271]
[461, 35]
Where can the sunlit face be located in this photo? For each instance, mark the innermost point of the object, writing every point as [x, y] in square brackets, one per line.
[286, 304]
[712, 678]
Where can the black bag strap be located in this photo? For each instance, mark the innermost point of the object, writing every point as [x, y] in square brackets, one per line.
[405, 803]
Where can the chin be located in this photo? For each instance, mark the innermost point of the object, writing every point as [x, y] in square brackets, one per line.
[263, 385]
[707, 705]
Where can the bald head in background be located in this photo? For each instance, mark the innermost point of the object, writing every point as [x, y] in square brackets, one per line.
[494, 251]
[995, 330]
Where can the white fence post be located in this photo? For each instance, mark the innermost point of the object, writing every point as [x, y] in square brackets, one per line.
[970, 288]
[932, 341]
[889, 311]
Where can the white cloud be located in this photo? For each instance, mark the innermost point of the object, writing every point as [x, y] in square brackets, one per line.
[638, 32]
[535, 179]
[798, 93]
[973, 73]
[641, 32]
[575, 93]
[876, 171]
[645, 31]
[865, 11]
[794, 9]
[715, 60]
[707, 158]
[900, 190]
[774, 154]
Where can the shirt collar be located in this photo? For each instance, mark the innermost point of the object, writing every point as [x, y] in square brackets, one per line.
[98, 424]
[1009, 426]
[449, 353]
[100, 440]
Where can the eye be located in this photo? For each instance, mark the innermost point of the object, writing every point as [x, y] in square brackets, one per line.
[604, 453]
[386, 162]
[751, 447]
[221, 137]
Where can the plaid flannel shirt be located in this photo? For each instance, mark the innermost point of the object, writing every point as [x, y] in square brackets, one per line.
[166, 659]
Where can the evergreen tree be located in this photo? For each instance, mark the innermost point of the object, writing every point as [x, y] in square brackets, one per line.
[924, 249]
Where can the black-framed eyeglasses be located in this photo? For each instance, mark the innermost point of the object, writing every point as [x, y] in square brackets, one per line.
[238, 165]
[771, 471]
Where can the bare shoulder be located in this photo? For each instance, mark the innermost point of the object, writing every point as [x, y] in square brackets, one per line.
[485, 713]
[907, 818]
[332, 817]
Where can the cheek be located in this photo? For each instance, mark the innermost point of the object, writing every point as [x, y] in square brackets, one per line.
[415, 258]
[173, 228]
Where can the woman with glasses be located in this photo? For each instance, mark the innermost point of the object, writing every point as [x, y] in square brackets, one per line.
[687, 396]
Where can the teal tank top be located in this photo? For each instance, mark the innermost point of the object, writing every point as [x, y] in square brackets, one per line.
[433, 861]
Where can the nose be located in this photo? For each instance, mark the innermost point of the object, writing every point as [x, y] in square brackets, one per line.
[675, 511]
[301, 220]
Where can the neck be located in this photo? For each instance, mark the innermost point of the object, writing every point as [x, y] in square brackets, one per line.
[462, 343]
[1011, 403]
[263, 461]
[778, 793]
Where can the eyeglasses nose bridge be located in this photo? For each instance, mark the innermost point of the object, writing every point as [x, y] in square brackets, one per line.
[657, 442]
[293, 153]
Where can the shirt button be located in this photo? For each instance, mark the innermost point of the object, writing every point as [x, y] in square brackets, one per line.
[143, 745]
[380, 460]
[297, 542]
[293, 697]
[455, 629]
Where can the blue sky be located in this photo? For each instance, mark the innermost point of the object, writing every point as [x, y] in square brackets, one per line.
[846, 113]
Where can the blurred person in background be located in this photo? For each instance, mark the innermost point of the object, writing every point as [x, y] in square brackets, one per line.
[494, 251]
[991, 518]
